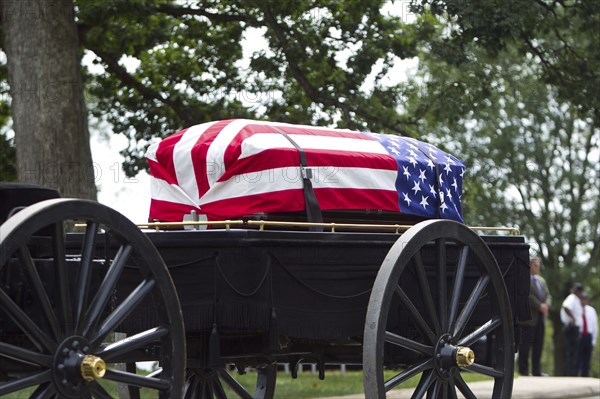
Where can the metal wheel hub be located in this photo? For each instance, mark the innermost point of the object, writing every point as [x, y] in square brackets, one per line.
[449, 357]
[73, 367]
[206, 374]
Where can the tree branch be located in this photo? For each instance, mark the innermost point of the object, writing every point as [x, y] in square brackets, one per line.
[313, 93]
[545, 63]
[176, 11]
[120, 72]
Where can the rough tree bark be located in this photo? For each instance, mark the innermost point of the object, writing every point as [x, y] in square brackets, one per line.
[49, 112]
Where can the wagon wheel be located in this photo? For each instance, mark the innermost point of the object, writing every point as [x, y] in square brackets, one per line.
[220, 384]
[448, 320]
[60, 305]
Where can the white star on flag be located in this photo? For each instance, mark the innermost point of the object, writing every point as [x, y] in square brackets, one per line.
[424, 201]
[447, 169]
[430, 164]
[443, 207]
[432, 191]
[416, 188]
[408, 201]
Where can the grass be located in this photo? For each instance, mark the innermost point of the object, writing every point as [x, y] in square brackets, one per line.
[306, 385]
[335, 384]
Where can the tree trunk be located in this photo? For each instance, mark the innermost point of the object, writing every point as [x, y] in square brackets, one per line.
[49, 111]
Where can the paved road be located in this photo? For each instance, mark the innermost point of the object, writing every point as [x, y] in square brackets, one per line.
[526, 388]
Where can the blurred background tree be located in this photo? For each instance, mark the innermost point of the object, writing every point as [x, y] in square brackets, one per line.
[514, 84]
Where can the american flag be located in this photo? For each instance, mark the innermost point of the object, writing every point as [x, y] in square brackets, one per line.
[233, 168]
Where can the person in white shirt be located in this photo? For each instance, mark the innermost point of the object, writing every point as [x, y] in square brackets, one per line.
[589, 334]
[570, 315]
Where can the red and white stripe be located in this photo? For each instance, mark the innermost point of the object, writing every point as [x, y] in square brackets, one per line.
[238, 167]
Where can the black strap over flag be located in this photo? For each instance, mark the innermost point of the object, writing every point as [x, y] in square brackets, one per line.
[313, 210]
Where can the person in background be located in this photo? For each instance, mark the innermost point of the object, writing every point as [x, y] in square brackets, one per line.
[532, 332]
[570, 315]
[589, 334]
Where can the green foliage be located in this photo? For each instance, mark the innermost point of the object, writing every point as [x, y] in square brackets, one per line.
[8, 161]
[533, 152]
[520, 116]
[560, 36]
[191, 67]
[8, 169]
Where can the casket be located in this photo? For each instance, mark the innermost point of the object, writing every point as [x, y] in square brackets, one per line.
[236, 168]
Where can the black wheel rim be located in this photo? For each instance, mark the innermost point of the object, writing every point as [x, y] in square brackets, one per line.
[446, 315]
[219, 383]
[71, 300]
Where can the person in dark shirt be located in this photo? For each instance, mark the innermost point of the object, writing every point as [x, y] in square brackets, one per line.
[532, 332]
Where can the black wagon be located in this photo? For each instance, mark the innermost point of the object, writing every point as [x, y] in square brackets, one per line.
[433, 300]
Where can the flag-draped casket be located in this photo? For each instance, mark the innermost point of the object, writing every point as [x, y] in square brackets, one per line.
[235, 168]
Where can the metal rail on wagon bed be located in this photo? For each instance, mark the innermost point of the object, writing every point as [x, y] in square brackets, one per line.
[251, 297]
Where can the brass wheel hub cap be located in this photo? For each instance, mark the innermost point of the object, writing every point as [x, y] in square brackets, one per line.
[448, 356]
[92, 368]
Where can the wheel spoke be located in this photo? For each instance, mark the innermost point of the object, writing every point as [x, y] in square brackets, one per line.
[58, 241]
[451, 389]
[482, 331]
[206, 391]
[113, 352]
[442, 280]
[98, 391]
[411, 371]
[440, 390]
[134, 392]
[38, 288]
[265, 382]
[458, 282]
[408, 305]
[485, 370]
[156, 373]
[210, 393]
[218, 390]
[31, 380]
[106, 288]
[463, 387]
[423, 385]
[234, 384]
[472, 302]
[24, 355]
[192, 388]
[44, 391]
[408, 344]
[124, 309]
[136, 380]
[38, 337]
[85, 271]
[426, 291]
